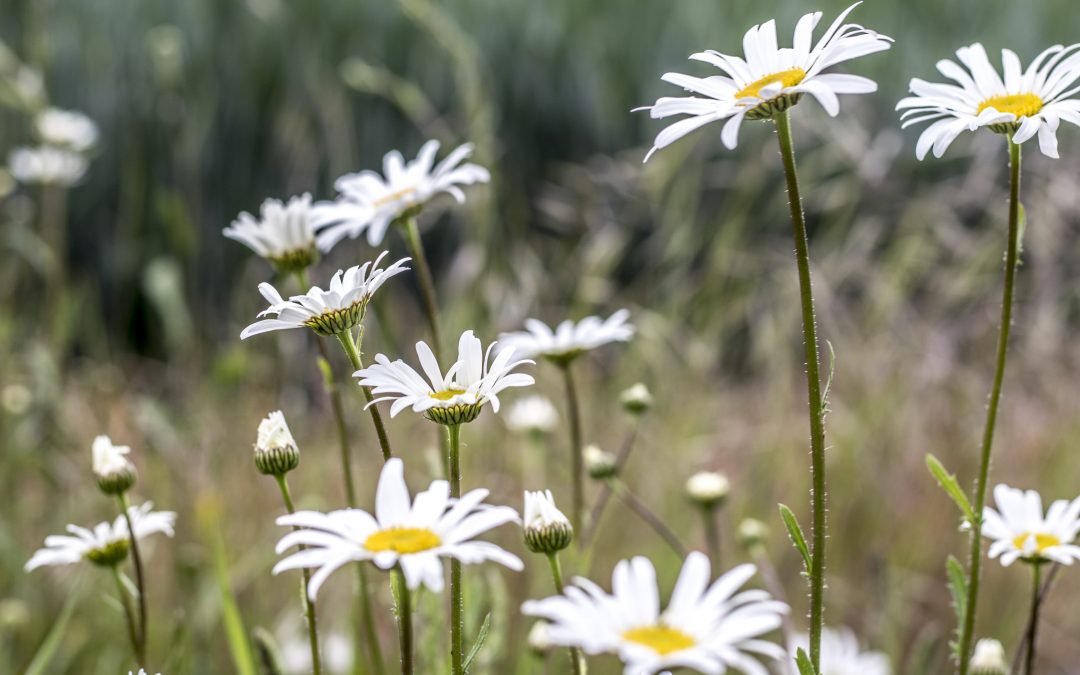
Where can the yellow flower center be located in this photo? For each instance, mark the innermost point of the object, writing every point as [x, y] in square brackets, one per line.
[1021, 105]
[786, 78]
[402, 540]
[446, 394]
[1042, 541]
[661, 639]
[394, 196]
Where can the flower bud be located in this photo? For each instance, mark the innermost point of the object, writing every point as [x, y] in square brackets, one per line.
[637, 399]
[539, 640]
[115, 473]
[276, 453]
[546, 529]
[600, 465]
[752, 533]
[109, 554]
[708, 489]
[989, 658]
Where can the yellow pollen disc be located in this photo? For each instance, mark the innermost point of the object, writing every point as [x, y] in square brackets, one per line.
[394, 196]
[1021, 105]
[447, 394]
[786, 78]
[1042, 541]
[402, 540]
[661, 639]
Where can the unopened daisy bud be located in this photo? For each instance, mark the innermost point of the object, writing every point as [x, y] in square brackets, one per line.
[540, 639]
[547, 530]
[752, 533]
[708, 489]
[276, 453]
[115, 473]
[600, 465]
[989, 658]
[637, 399]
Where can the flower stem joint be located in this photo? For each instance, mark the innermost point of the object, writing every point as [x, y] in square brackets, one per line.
[454, 415]
[111, 554]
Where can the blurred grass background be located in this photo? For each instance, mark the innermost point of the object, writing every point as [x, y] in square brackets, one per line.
[207, 107]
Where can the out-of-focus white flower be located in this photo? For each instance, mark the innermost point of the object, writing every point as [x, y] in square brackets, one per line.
[455, 397]
[114, 472]
[68, 129]
[1023, 104]
[546, 528]
[989, 658]
[283, 234]
[569, 340]
[276, 452]
[841, 655]
[107, 544]
[769, 80]
[336, 648]
[636, 399]
[599, 463]
[708, 488]
[708, 627]
[1019, 530]
[330, 312]
[413, 533]
[533, 413]
[46, 165]
[752, 533]
[141, 672]
[370, 203]
[539, 640]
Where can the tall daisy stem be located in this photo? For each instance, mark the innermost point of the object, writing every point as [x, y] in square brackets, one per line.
[140, 583]
[309, 605]
[602, 499]
[710, 521]
[813, 386]
[353, 350]
[129, 614]
[654, 521]
[404, 615]
[1012, 255]
[457, 607]
[1033, 622]
[427, 282]
[577, 659]
[577, 460]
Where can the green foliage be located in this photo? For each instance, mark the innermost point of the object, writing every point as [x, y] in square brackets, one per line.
[39, 665]
[481, 638]
[958, 588]
[806, 667]
[796, 534]
[948, 482]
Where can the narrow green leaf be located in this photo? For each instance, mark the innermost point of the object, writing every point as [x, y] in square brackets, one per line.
[958, 590]
[267, 648]
[806, 667]
[948, 482]
[1021, 226]
[796, 534]
[208, 513]
[51, 643]
[829, 379]
[485, 628]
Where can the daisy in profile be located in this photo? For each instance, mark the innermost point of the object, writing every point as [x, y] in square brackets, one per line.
[451, 398]
[1025, 103]
[413, 534]
[769, 79]
[568, 340]
[368, 203]
[282, 234]
[1019, 530]
[336, 310]
[842, 655]
[708, 627]
[107, 544]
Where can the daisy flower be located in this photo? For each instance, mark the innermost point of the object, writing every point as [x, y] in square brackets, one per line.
[452, 398]
[46, 165]
[1025, 103]
[114, 471]
[1020, 531]
[330, 312]
[532, 414]
[569, 340]
[370, 202]
[707, 627]
[283, 234]
[769, 80]
[107, 544]
[841, 655]
[276, 452]
[414, 534]
[68, 129]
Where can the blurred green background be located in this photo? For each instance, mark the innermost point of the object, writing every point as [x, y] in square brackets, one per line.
[206, 107]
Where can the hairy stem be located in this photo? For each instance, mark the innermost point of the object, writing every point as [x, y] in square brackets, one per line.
[457, 606]
[577, 659]
[975, 555]
[353, 350]
[404, 616]
[577, 460]
[309, 604]
[427, 282]
[140, 582]
[1033, 621]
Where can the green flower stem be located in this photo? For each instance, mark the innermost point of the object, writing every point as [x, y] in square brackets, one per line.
[353, 350]
[427, 282]
[1012, 256]
[712, 533]
[577, 459]
[639, 507]
[577, 659]
[404, 614]
[309, 605]
[604, 497]
[129, 614]
[813, 386]
[140, 582]
[1033, 621]
[457, 607]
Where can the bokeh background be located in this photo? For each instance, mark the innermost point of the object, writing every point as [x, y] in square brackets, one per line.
[128, 321]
